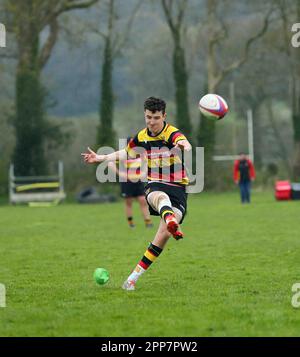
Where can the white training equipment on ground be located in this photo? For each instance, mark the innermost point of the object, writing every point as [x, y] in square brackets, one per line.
[36, 190]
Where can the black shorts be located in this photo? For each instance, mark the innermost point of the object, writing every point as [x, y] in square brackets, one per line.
[132, 189]
[177, 195]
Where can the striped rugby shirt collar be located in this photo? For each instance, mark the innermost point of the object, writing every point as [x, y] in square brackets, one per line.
[153, 136]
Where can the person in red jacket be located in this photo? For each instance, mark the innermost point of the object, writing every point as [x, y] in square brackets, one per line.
[243, 174]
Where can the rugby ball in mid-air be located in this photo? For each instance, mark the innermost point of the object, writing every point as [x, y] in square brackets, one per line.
[213, 106]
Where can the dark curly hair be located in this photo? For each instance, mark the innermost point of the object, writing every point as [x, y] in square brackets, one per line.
[155, 104]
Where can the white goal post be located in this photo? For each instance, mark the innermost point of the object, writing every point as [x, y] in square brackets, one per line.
[250, 142]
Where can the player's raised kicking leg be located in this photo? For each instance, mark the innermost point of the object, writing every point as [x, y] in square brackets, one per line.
[161, 203]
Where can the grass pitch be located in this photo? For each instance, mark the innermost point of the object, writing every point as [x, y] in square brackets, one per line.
[230, 276]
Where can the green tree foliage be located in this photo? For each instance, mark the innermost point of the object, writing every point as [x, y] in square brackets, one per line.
[114, 40]
[29, 120]
[181, 89]
[28, 19]
[206, 138]
[106, 134]
[175, 17]
[29, 158]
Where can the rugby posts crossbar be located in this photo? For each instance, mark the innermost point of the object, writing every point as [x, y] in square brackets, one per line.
[37, 185]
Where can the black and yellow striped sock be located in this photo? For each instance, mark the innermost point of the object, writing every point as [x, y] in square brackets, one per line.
[150, 255]
[166, 211]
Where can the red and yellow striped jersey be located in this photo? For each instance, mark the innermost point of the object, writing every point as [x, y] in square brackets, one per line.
[165, 164]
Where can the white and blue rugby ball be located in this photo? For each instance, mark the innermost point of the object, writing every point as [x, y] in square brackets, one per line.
[213, 106]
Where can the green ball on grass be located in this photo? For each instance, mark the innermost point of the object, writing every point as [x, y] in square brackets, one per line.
[101, 276]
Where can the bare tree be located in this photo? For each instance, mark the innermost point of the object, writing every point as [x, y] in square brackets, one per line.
[216, 33]
[215, 72]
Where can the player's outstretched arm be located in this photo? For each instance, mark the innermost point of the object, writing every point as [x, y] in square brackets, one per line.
[90, 157]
